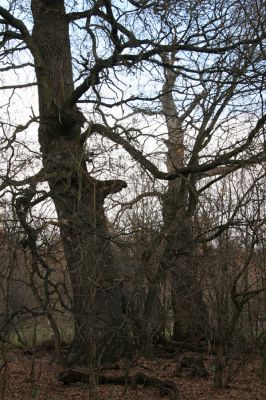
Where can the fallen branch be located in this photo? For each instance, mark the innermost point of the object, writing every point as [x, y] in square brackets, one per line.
[182, 346]
[81, 375]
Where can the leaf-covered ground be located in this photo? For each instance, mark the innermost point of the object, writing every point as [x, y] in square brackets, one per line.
[26, 377]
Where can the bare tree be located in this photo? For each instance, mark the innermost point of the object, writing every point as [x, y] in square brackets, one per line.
[117, 42]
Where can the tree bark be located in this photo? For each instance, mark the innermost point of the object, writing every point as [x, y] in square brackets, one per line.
[77, 196]
[179, 205]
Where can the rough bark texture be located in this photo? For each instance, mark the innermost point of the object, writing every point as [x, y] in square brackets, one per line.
[77, 196]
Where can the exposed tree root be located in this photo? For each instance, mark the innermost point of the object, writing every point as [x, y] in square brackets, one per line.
[193, 364]
[81, 375]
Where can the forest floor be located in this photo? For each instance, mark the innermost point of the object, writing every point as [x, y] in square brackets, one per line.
[27, 377]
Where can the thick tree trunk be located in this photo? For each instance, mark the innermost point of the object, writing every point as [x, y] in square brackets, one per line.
[179, 256]
[179, 206]
[77, 196]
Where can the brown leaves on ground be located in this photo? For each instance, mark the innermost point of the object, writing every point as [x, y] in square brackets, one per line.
[26, 377]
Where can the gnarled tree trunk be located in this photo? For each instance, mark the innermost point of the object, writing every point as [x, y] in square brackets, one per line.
[77, 196]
